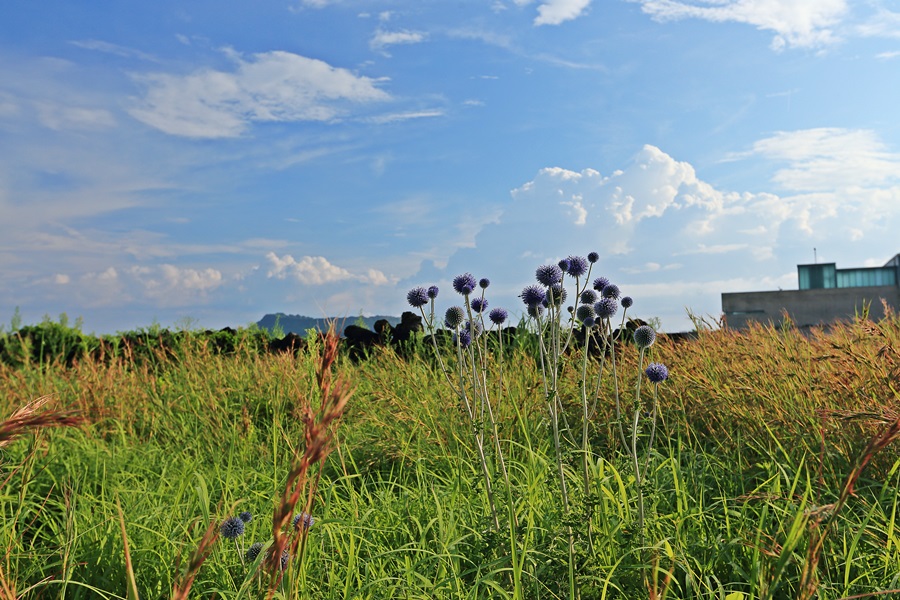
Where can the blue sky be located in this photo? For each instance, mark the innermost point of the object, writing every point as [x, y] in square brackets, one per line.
[209, 162]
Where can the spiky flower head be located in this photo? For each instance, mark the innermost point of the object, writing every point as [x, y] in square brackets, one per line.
[589, 322]
[588, 297]
[610, 291]
[606, 308]
[584, 312]
[417, 297]
[253, 551]
[600, 283]
[627, 302]
[454, 317]
[231, 528]
[484, 282]
[245, 516]
[433, 292]
[285, 559]
[533, 295]
[644, 336]
[498, 316]
[463, 338]
[564, 265]
[578, 266]
[479, 304]
[557, 294]
[535, 310]
[657, 372]
[593, 257]
[306, 519]
[464, 284]
[476, 330]
[548, 275]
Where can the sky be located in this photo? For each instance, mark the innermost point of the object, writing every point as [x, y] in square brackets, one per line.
[205, 163]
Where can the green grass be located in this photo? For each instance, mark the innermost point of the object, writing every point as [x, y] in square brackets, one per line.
[759, 433]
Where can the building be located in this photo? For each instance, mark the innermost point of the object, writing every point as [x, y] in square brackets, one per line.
[826, 294]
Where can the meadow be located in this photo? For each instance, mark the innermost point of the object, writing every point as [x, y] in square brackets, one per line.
[769, 472]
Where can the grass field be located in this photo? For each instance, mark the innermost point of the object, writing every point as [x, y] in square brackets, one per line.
[772, 475]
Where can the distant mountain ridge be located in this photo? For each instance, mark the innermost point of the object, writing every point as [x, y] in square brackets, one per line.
[300, 324]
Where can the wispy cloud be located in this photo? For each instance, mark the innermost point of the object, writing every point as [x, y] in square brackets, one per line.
[405, 116]
[271, 86]
[382, 39]
[555, 12]
[801, 23]
[114, 49]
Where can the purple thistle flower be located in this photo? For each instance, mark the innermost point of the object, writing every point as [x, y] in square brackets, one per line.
[454, 317]
[606, 308]
[474, 331]
[588, 297]
[593, 257]
[548, 275]
[533, 295]
[564, 265]
[285, 559]
[479, 304]
[498, 316]
[610, 291]
[644, 336]
[584, 312]
[463, 338]
[307, 520]
[417, 297]
[245, 516]
[232, 528]
[589, 322]
[627, 302]
[433, 292]
[484, 282]
[535, 310]
[657, 372]
[557, 294]
[600, 283]
[578, 266]
[253, 551]
[464, 284]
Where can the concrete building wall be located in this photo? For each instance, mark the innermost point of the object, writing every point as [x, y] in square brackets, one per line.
[807, 308]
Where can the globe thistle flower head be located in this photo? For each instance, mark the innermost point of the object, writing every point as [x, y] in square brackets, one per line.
[417, 297]
[433, 292]
[593, 257]
[285, 559]
[606, 308]
[498, 316]
[474, 331]
[644, 336]
[564, 265]
[464, 284]
[548, 275]
[245, 516]
[479, 305]
[484, 282]
[557, 294]
[578, 266]
[589, 322]
[535, 310]
[232, 528]
[463, 338]
[610, 291]
[454, 317]
[588, 297]
[584, 312]
[657, 372]
[627, 302]
[600, 283]
[533, 295]
[305, 519]
[253, 551]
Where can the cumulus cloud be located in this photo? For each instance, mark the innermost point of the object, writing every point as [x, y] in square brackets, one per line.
[801, 23]
[270, 86]
[554, 12]
[317, 270]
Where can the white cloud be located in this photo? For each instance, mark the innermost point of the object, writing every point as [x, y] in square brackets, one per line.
[271, 86]
[59, 117]
[554, 12]
[405, 116]
[888, 55]
[383, 39]
[316, 270]
[114, 49]
[802, 23]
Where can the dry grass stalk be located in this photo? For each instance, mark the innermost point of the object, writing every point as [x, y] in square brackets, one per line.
[31, 417]
[319, 426]
[182, 587]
